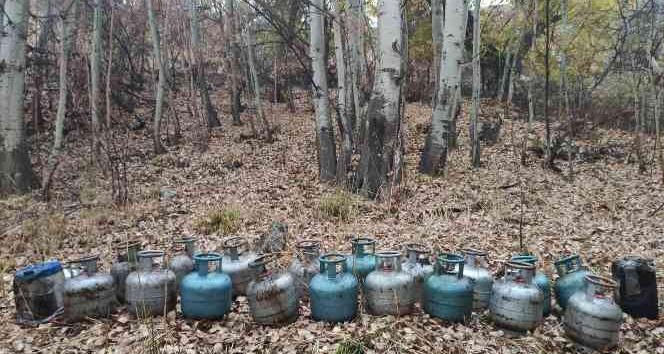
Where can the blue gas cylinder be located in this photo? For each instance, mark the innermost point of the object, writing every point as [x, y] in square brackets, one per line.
[447, 293]
[333, 291]
[363, 259]
[204, 293]
[571, 279]
[540, 279]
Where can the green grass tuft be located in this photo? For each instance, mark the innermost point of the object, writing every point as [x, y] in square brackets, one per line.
[338, 205]
[350, 346]
[226, 220]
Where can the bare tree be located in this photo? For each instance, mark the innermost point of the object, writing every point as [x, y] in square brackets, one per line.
[69, 26]
[434, 155]
[95, 72]
[15, 167]
[199, 68]
[378, 170]
[344, 97]
[161, 83]
[327, 155]
[475, 150]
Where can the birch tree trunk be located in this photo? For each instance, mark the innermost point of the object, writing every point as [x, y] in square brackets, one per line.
[69, 24]
[343, 97]
[327, 158]
[358, 67]
[506, 71]
[563, 87]
[262, 123]
[378, 171]
[434, 156]
[95, 72]
[530, 78]
[161, 83]
[199, 68]
[437, 21]
[15, 167]
[43, 12]
[475, 150]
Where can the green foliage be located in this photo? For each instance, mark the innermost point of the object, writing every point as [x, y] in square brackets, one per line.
[338, 205]
[225, 220]
[350, 346]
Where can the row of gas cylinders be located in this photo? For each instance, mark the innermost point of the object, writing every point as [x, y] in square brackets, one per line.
[450, 288]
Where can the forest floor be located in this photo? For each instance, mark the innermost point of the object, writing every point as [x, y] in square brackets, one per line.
[605, 213]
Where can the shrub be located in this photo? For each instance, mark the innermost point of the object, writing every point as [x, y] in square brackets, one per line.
[338, 205]
[225, 220]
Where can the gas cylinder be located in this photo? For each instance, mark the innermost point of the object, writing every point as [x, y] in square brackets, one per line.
[571, 274]
[388, 289]
[362, 260]
[417, 265]
[151, 289]
[205, 293]
[272, 297]
[90, 294]
[333, 290]
[305, 265]
[592, 318]
[447, 293]
[540, 279]
[235, 263]
[516, 303]
[125, 264]
[637, 286]
[183, 264]
[476, 269]
[38, 291]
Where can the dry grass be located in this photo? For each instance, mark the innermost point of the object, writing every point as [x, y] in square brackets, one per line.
[225, 220]
[338, 206]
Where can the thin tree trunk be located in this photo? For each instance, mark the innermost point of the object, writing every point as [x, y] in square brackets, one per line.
[327, 158]
[434, 156]
[15, 167]
[548, 162]
[68, 38]
[109, 68]
[263, 125]
[379, 172]
[358, 68]
[475, 151]
[343, 109]
[95, 72]
[506, 72]
[437, 21]
[234, 54]
[563, 85]
[43, 12]
[530, 84]
[161, 83]
[199, 67]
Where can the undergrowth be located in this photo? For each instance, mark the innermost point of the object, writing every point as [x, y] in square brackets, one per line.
[224, 220]
[338, 205]
[350, 346]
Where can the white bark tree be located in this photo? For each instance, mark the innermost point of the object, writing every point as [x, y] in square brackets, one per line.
[344, 97]
[378, 170]
[43, 12]
[358, 66]
[95, 72]
[264, 130]
[161, 82]
[15, 167]
[199, 67]
[475, 151]
[69, 29]
[327, 155]
[437, 21]
[434, 156]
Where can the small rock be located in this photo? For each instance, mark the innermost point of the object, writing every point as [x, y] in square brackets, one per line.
[167, 193]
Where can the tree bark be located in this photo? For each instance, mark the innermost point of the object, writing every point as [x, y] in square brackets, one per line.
[358, 67]
[161, 83]
[68, 38]
[95, 72]
[15, 167]
[43, 12]
[327, 158]
[379, 173]
[434, 156]
[199, 68]
[475, 150]
[343, 97]
[437, 21]
[262, 123]
[234, 54]
[506, 72]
